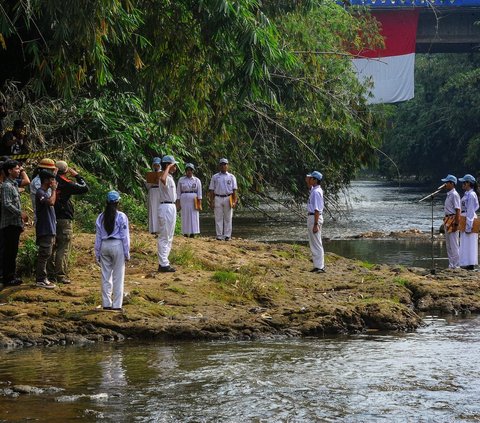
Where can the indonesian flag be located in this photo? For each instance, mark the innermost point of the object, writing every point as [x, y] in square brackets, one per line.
[391, 69]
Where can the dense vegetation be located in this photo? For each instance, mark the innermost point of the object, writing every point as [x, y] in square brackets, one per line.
[438, 132]
[266, 83]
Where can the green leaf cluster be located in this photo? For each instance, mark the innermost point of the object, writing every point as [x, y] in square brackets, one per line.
[267, 84]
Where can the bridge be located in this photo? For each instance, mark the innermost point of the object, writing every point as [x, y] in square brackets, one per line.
[444, 26]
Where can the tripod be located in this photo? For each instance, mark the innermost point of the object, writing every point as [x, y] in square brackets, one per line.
[431, 197]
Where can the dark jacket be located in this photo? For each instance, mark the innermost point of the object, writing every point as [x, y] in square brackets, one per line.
[65, 189]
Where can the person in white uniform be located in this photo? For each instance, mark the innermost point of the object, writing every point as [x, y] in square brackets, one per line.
[167, 213]
[315, 207]
[451, 220]
[189, 191]
[223, 197]
[153, 195]
[469, 239]
[112, 250]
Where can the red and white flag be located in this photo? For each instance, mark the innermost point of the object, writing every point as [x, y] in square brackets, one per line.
[392, 68]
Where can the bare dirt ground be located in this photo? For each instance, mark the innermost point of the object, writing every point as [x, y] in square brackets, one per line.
[230, 290]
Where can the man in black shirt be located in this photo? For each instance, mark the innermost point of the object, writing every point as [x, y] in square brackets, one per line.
[64, 212]
[14, 142]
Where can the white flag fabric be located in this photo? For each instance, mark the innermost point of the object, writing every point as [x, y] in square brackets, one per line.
[391, 69]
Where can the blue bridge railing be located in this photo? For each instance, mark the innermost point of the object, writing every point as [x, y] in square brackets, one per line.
[415, 3]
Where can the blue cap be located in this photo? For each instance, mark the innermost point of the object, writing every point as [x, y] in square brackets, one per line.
[223, 161]
[467, 178]
[113, 197]
[156, 160]
[450, 178]
[315, 174]
[189, 166]
[168, 159]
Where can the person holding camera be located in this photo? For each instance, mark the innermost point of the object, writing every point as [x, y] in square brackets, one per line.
[69, 183]
[45, 225]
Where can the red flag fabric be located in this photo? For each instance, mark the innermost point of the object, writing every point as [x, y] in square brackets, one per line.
[391, 69]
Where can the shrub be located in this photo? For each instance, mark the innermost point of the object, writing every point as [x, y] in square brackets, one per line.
[27, 257]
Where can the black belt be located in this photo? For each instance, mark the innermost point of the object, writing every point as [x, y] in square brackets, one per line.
[449, 215]
[313, 214]
[218, 195]
[167, 202]
[154, 186]
[189, 192]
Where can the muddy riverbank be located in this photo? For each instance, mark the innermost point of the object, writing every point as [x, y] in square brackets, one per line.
[230, 290]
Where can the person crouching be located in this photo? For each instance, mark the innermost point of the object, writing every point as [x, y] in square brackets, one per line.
[112, 250]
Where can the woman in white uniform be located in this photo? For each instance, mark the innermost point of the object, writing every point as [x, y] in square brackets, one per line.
[469, 239]
[112, 250]
[153, 198]
[189, 191]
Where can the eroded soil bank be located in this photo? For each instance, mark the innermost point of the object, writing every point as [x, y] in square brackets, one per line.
[230, 290]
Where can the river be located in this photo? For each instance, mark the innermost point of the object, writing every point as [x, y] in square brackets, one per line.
[367, 206]
[432, 375]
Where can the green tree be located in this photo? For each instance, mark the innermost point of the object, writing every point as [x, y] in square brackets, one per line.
[438, 132]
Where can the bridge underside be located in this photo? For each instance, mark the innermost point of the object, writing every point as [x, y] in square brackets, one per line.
[449, 31]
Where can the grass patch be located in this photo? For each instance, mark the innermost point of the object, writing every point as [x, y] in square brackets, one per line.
[93, 298]
[400, 281]
[183, 256]
[225, 277]
[367, 265]
[176, 289]
[27, 257]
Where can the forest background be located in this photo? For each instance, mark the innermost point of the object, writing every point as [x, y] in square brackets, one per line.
[109, 84]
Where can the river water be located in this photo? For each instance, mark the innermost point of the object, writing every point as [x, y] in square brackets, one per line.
[432, 375]
[367, 206]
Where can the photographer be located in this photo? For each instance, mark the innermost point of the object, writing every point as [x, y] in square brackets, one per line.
[69, 183]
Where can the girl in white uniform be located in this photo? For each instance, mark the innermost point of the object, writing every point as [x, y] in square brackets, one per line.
[189, 189]
[153, 196]
[468, 239]
[112, 249]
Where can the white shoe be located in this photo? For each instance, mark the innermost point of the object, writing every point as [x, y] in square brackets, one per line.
[46, 284]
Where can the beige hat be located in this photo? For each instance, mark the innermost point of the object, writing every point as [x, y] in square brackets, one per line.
[46, 164]
[62, 166]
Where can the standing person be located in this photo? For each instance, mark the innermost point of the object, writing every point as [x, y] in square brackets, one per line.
[189, 195]
[223, 196]
[315, 207]
[64, 212]
[112, 250]
[451, 221]
[167, 213]
[11, 221]
[469, 239]
[47, 164]
[3, 115]
[45, 225]
[14, 141]
[153, 194]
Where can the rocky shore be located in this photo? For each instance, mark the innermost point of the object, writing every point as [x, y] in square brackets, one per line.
[230, 290]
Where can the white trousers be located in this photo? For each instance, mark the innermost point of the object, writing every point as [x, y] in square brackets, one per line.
[468, 249]
[190, 216]
[153, 199]
[167, 217]
[223, 217]
[315, 241]
[112, 264]
[452, 242]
